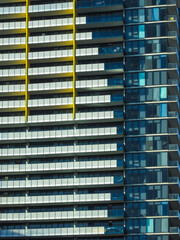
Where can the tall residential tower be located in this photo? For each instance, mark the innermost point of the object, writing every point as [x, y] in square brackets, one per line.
[89, 119]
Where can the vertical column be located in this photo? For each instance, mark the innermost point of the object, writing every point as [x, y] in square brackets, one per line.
[27, 63]
[74, 58]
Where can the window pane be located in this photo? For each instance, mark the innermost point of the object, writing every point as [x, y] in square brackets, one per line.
[141, 29]
[150, 225]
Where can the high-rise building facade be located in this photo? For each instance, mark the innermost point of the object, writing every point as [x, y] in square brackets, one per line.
[89, 119]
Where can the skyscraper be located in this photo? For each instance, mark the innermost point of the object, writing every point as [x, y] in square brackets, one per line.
[89, 119]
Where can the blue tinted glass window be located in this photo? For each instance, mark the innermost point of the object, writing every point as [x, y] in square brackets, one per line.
[164, 225]
[141, 79]
[150, 225]
[143, 225]
[128, 16]
[155, 14]
[163, 93]
[163, 109]
[164, 209]
[141, 31]
[142, 111]
[163, 61]
[141, 15]
[128, 32]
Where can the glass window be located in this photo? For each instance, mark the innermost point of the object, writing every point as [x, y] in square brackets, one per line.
[155, 14]
[163, 61]
[150, 225]
[128, 16]
[164, 158]
[141, 31]
[141, 47]
[164, 225]
[163, 93]
[156, 94]
[141, 15]
[156, 77]
[164, 208]
[141, 79]
[163, 109]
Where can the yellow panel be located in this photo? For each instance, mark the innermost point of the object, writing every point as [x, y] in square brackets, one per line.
[51, 44]
[27, 64]
[13, 16]
[53, 28]
[12, 109]
[12, 94]
[54, 12]
[69, 90]
[9, 47]
[62, 59]
[52, 107]
[74, 58]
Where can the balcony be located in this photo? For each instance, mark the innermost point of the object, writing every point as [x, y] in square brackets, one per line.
[174, 34]
[111, 50]
[50, 23]
[54, 167]
[12, 57]
[50, 7]
[50, 54]
[98, 3]
[70, 215]
[172, 114]
[11, 120]
[12, 88]
[84, 116]
[12, 25]
[172, 98]
[50, 86]
[64, 150]
[62, 182]
[172, 130]
[114, 98]
[12, 104]
[174, 50]
[50, 102]
[173, 163]
[105, 116]
[12, 10]
[173, 18]
[174, 230]
[171, 1]
[100, 35]
[173, 213]
[12, 41]
[112, 66]
[98, 83]
[173, 179]
[104, 19]
[119, 196]
[173, 196]
[38, 232]
[114, 230]
[60, 199]
[49, 39]
[101, 51]
[12, 72]
[107, 34]
[118, 180]
[173, 147]
[50, 70]
[172, 81]
[61, 134]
